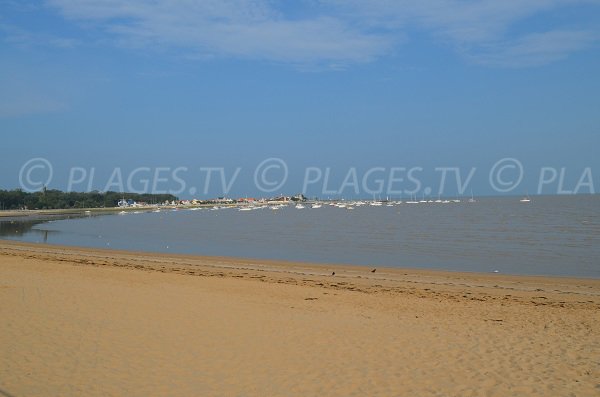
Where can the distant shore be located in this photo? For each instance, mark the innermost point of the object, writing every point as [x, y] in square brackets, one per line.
[109, 210]
[52, 212]
[97, 322]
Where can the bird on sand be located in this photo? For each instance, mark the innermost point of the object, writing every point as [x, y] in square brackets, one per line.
[373, 271]
[333, 273]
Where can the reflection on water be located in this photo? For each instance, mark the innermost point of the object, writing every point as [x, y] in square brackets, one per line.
[550, 235]
[11, 229]
[24, 228]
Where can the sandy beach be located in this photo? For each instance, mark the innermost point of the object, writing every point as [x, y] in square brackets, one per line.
[84, 322]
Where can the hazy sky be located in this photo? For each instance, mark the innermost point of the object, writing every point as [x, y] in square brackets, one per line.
[319, 84]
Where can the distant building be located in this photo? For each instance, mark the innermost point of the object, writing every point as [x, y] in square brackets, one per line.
[299, 197]
[127, 203]
[222, 200]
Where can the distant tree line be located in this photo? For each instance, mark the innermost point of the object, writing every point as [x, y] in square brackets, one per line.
[56, 199]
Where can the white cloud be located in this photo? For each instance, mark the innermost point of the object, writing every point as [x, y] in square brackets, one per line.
[23, 38]
[336, 31]
[537, 49]
[480, 30]
[249, 29]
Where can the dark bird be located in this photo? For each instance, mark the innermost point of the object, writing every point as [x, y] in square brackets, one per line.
[373, 271]
[333, 273]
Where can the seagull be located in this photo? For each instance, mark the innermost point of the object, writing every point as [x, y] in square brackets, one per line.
[373, 271]
[333, 273]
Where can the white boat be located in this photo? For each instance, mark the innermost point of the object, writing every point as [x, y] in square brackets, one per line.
[299, 206]
[525, 199]
[472, 199]
[316, 206]
[245, 209]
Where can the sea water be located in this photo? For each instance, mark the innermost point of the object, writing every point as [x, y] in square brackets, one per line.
[552, 235]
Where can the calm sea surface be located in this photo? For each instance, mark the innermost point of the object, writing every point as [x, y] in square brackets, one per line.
[550, 236]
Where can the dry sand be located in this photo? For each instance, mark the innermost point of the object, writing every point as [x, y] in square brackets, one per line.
[82, 322]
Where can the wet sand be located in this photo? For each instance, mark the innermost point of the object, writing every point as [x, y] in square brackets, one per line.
[98, 323]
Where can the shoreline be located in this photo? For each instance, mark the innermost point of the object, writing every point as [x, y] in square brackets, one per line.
[356, 277]
[325, 266]
[80, 321]
[69, 211]
[107, 210]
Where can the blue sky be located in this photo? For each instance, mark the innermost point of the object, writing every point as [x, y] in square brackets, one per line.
[338, 84]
